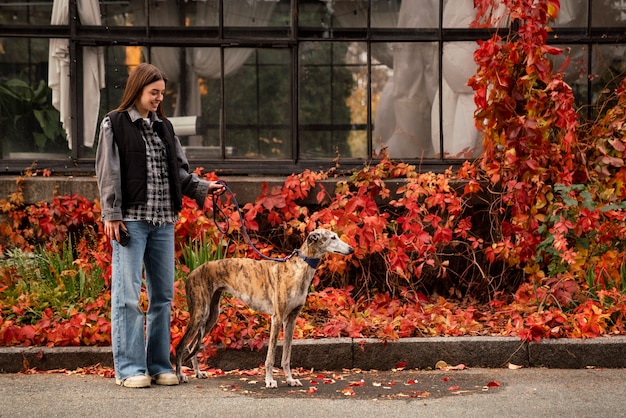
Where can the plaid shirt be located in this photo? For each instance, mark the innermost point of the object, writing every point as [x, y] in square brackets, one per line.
[158, 208]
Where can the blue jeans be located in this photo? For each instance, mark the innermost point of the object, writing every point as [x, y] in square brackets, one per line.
[138, 350]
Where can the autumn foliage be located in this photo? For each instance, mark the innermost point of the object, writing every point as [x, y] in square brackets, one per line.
[528, 240]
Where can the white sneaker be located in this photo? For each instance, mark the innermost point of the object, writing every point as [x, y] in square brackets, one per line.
[166, 379]
[139, 381]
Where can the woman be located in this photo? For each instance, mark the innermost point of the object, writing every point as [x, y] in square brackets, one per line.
[142, 175]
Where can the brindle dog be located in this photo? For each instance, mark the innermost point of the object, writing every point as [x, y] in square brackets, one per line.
[266, 286]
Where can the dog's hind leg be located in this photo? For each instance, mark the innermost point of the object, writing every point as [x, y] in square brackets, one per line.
[197, 316]
[289, 325]
[192, 353]
[212, 314]
[182, 351]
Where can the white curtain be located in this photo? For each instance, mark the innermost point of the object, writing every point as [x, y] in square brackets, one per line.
[93, 70]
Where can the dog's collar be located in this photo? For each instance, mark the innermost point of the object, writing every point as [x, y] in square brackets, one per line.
[312, 262]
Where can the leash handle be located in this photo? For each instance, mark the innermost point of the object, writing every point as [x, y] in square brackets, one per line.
[244, 231]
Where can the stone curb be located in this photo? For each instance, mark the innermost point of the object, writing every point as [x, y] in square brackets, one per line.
[366, 354]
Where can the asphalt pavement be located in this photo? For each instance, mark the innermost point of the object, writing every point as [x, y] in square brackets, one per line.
[533, 392]
[435, 377]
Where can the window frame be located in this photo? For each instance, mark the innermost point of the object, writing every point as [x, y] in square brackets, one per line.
[273, 37]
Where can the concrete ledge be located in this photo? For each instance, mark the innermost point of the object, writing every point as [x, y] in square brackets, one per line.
[366, 354]
[421, 353]
[606, 352]
[44, 189]
[17, 359]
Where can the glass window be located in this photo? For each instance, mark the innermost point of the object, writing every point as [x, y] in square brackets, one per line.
[123, 13]
[328, 14]
[457, 13]
[608, 13]
[460, 137]
[334, 100]
[206, 143]
[25, 12]
[327, 73]
[30, 123]
[255, 118]
[385, 13]
[239, 13]
[404, 103]
[157, 13]
[257, 108]
[453, 133]
[249, 81]
[608, 67]
[573, 14]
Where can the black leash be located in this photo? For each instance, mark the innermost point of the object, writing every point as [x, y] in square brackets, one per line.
[313, 262]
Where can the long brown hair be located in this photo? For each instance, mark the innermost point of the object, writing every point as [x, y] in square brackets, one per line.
[140, 77]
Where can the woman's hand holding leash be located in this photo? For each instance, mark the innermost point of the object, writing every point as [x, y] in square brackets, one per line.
[216, 187]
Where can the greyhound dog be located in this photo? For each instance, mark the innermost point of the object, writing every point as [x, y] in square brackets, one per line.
[266, 286]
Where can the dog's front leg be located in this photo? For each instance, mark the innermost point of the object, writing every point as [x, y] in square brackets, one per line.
[289, 326]
[270, 382]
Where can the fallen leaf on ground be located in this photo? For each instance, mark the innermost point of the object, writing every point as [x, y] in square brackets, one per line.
[400, 366]
[348, 392]
[442, 365]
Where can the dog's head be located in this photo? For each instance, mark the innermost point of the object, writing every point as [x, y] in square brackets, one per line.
[325, 241]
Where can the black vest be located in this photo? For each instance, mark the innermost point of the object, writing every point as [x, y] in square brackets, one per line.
[133, 165]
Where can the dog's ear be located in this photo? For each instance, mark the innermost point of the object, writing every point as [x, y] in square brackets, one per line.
[313, 237]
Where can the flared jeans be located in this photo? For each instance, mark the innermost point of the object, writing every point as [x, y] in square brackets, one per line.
[141, 341]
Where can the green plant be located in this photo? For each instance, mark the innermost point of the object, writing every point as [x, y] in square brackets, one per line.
[19, 263]
[60, 269]
[199, 251]
[52, 278]
[29, 121]
[598, 283]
